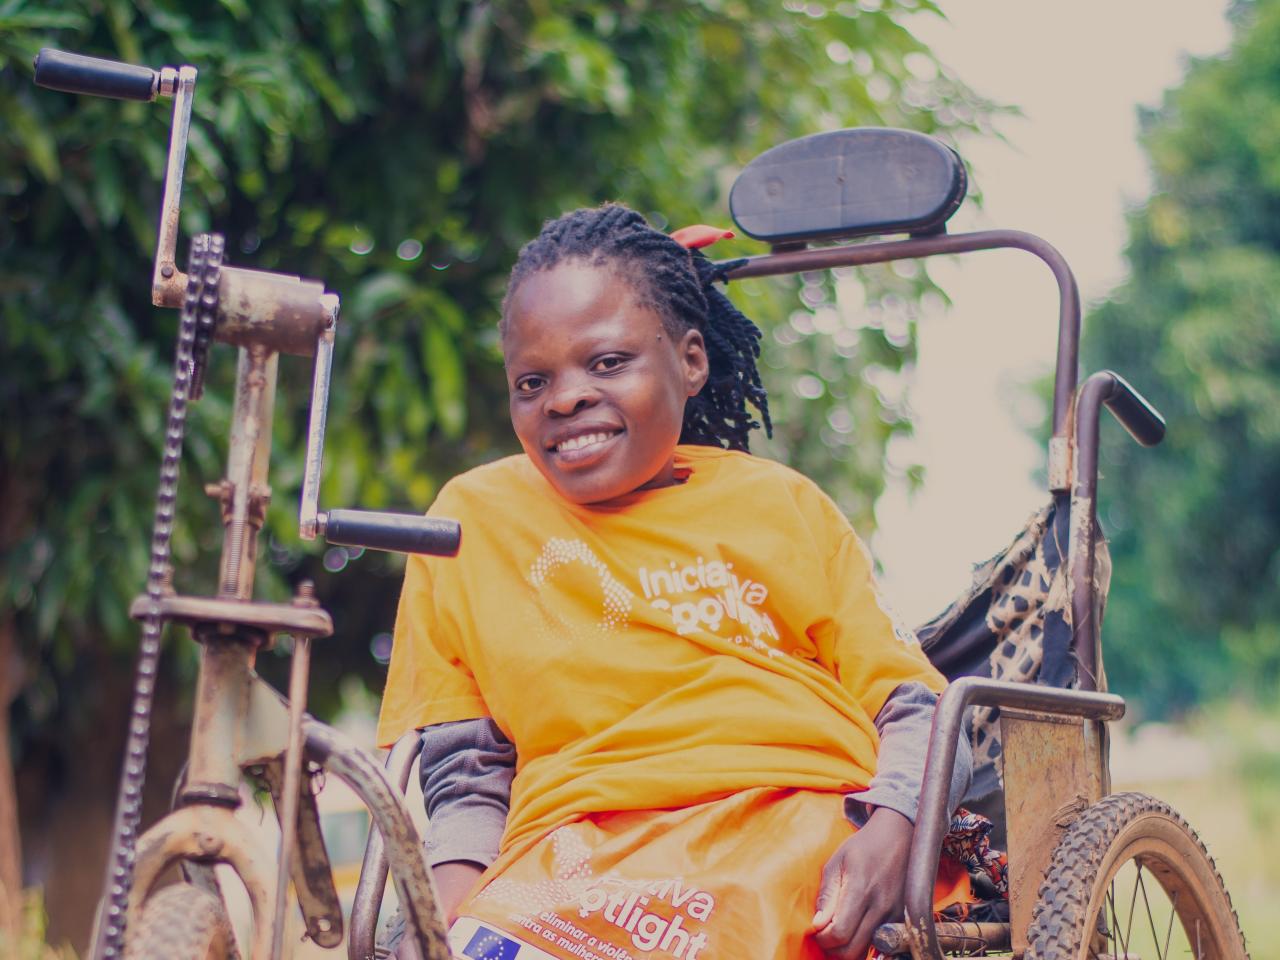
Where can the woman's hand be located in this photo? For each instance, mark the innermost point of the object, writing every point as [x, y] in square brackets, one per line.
[863, 886]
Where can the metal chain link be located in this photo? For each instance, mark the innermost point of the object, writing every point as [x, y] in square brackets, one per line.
[207, 319]
[200, 302]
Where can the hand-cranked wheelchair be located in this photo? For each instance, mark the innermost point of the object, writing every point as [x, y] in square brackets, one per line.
[1089, 874]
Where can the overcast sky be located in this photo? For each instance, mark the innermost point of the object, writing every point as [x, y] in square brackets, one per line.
[1078, 71]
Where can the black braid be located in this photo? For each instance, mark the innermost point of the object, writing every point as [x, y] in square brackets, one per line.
[681, 286]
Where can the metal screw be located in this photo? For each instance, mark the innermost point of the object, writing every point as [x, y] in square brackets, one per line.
[166, 270]
[305, 594]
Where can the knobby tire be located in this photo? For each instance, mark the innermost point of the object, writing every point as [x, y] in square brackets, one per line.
[1078, 914]
[181, 922]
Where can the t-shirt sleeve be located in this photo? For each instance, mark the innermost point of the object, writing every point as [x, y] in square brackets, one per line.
[428, 681]
[872, 654]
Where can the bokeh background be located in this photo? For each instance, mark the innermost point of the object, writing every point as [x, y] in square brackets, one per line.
[402, 152]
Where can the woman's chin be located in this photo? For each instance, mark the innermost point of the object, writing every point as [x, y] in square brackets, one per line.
[593, 486]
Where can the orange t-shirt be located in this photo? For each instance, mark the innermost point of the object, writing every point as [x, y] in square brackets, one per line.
[670, 647]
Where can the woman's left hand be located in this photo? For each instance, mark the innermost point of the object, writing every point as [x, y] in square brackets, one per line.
[863, 886]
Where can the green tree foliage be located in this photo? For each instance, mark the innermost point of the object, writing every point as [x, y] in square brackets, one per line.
[1195, 524]
[402, 152]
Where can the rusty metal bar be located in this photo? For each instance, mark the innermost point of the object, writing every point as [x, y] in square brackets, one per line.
[367, 902]
[298, 671]
[861, 254]
[223, 689]
[1145, 424]
[311, 871]
[279, 311]
[931, 822]
[246, 492]
[893, 939]
[414, 886]
[167, 282]
[309, 509]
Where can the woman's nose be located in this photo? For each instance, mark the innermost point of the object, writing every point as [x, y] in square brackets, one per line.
[569, 397]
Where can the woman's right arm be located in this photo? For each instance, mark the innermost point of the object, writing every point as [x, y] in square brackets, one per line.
[466, 769]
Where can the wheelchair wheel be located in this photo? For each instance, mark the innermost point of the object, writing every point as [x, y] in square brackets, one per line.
[1130, 879]
[181, 922]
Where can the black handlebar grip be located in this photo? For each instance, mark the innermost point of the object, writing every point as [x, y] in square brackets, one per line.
[74, 73]
[1135, 412]
[396, 532]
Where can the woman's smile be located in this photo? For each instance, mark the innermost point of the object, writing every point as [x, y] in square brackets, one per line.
[583, 448]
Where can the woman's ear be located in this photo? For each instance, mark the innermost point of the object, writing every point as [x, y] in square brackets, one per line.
[693, 356]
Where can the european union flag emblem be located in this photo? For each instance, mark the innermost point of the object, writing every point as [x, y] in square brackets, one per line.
[487, 944]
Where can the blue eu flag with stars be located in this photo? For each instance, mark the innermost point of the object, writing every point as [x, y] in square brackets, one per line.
[487, 944]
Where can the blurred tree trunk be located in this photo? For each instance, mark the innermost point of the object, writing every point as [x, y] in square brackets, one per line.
[10, 686]
[10, 839]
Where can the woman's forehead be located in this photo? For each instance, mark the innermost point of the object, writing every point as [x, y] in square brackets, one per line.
[574, 300]
[572, 284]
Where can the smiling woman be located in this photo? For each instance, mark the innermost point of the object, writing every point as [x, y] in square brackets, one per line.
[598, 386]
[681, 644]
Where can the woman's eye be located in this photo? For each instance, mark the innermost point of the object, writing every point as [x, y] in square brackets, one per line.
[605, 364]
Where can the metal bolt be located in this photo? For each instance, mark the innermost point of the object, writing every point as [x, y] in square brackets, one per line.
[166, 270]
[305, 594]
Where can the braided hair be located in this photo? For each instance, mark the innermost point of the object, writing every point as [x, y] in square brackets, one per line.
[679, 284]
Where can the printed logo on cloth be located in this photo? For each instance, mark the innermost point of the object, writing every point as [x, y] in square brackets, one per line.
[699, 594]
[485, 943]
[709, 595]
[559, 552]
[603, 917]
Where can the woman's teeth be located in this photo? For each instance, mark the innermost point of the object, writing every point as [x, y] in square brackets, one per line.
[577, 443]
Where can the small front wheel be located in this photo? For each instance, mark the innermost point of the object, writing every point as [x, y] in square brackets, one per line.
[1130, 879]
[181, 922]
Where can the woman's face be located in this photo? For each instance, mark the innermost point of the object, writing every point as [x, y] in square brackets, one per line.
[597, 384]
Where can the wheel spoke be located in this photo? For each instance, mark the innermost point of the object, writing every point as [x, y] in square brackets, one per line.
[1146, 903]
[1168, 934]
[1133, 903]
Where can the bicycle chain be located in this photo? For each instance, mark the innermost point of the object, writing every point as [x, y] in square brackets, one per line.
[199, 309]
[207, 314]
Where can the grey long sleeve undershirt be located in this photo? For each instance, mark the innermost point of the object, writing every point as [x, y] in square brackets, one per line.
[467, 767]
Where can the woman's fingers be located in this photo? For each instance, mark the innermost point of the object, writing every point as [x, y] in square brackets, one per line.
[857, 893]
[842, 903]
[838, 937]
[828, 892]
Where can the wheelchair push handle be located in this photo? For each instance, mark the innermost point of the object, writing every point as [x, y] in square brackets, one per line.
[76, 73]
[1134, 411]
[394, 532]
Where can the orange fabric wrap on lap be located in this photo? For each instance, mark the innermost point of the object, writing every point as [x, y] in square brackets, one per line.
[733, 878]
